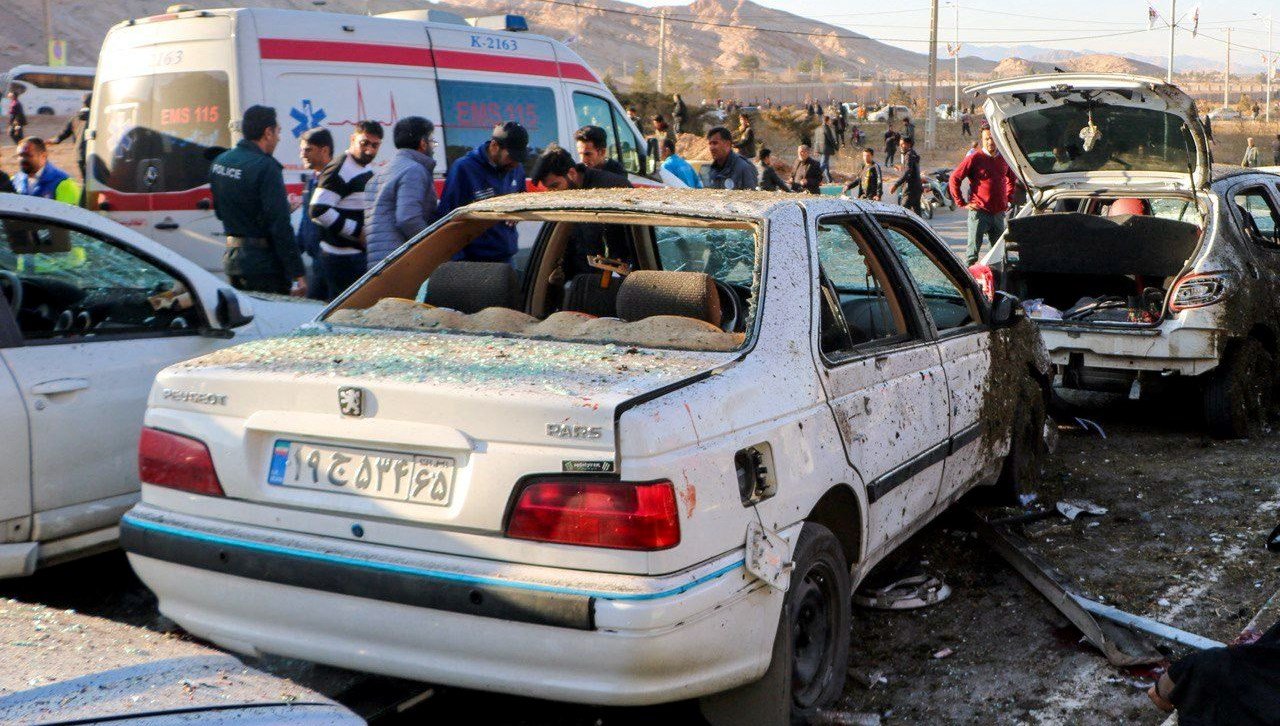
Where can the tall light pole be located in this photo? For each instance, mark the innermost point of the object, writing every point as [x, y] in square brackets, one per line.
[931, 113]
[662, 51]
[1173, 29]
[955, 106]
[48, 30]
[1226, 74]
[1271, 61]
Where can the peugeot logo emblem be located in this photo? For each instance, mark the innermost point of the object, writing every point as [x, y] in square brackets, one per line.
[351, 401]
[151, 175]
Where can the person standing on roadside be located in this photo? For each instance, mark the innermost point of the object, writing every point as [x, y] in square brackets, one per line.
[745, 142]
[991, 185]
[1275, 151]
[909, 182]
[674, 165]
[494, 168]
[1250, 159]
[679, 114]
[870, 183]
[338, 206]
[17, 117]
[315, 149]
[891, 139]
[727, 170]
[662, 130]
[824, 145]
[806, 176]
[402, 196]
[770, 180]
[965, 121]
[593, 150]
[74, 129]
[250, 199]
[38, 177]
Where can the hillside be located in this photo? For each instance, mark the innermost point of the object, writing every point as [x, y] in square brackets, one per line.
[1087, 63]
[610, 34]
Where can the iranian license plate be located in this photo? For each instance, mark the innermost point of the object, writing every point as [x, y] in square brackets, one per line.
[362, 472]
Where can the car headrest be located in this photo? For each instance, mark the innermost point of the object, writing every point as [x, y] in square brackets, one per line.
[1127, 205]
[470, 287]
[583, 294]
[646, 293]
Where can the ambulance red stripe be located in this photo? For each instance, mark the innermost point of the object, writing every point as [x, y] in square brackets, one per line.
[345, 52]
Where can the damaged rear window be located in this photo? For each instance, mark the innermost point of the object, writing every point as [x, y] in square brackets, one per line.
[1077, 138]
[621, 278]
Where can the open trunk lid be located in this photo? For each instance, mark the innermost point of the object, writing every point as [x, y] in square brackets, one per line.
[1098, 131]
[473, 413]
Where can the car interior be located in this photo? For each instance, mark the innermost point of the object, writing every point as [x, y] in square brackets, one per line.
[1102, 260]
[61, 282]
[657, 282]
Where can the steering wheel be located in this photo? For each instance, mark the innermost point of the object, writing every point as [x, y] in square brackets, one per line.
[13, 283]
[730, 307]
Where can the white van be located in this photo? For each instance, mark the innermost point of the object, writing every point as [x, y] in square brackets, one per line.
[49, 90]
[170, 86]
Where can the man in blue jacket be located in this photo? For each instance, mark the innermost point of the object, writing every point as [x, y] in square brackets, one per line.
[492, 169]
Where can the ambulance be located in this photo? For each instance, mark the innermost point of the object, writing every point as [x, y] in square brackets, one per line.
[171, 89]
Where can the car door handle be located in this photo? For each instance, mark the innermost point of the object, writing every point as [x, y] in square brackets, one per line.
[60, 385]
[167, 224]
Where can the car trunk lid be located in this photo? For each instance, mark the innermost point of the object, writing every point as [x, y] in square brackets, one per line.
[474, 413]
[1098, 132]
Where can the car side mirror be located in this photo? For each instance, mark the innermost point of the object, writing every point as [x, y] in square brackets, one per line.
[651, 161]
[228, 313]
[1006, 310]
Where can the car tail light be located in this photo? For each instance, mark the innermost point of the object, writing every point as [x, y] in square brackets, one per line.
[177, 462]
[986, 280]
[599, 513]
[1198, 290]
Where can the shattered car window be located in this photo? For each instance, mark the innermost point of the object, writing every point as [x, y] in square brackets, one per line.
[1105, 138]
[639, 280]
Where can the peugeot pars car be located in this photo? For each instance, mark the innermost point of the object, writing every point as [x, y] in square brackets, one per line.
[629, 478]
[89, 312]
[1140, 266]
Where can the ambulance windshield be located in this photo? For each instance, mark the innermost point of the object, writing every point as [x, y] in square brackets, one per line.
[153, 130]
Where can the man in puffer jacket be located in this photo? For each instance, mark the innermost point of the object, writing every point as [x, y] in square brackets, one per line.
[402, 197]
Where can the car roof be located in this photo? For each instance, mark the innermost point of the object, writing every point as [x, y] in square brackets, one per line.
[710, 203]
[1222, 172]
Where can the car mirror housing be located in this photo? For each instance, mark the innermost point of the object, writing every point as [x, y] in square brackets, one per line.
[1006, 310]
[228, 313]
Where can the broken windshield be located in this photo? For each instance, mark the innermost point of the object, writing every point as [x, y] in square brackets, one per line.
[1077, 138]
[662, 282]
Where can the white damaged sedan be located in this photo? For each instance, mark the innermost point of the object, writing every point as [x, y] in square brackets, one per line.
[649, 467]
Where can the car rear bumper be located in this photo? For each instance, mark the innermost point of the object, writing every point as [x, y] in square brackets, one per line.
[1186, 351]
[548, 633]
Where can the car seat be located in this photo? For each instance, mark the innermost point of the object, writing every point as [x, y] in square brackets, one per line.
[645, 293]
[470, 287]
[583, 294]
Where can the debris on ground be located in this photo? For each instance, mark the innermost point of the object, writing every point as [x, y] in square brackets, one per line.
[1072, 508]
[944, 653]
[867, 679]
[1088, 425]
[906, 593]
[846, 718]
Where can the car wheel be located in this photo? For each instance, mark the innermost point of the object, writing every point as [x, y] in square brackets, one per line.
[811, 646]
[1024, 463]
[1238, 393]
[817, 611]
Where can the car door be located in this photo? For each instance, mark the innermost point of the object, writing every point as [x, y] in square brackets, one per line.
[96, 320]
[883, 376]
[950, 303]
[15, 448]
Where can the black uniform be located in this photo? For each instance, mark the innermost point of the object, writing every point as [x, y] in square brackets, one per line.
[250, 199]
[911, 181]
[868, 184]
[74, 129]
[608, 240]
[807, 176]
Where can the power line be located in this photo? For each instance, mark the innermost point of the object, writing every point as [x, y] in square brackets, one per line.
[806, 34]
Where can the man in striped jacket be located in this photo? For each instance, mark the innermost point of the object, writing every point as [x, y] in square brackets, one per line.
[338, 206]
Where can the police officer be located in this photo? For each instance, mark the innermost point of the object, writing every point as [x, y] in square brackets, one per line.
[250, 199]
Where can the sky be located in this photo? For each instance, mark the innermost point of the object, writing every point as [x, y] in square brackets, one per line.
[1063, 24]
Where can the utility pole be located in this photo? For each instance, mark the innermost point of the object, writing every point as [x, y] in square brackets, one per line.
[48, 30]
[1173, 29]
[1271, 64]
[1226, 75]
[931, 113]
[662, 51]
[956, 102]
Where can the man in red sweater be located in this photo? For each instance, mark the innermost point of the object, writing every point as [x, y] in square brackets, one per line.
[991, 184]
